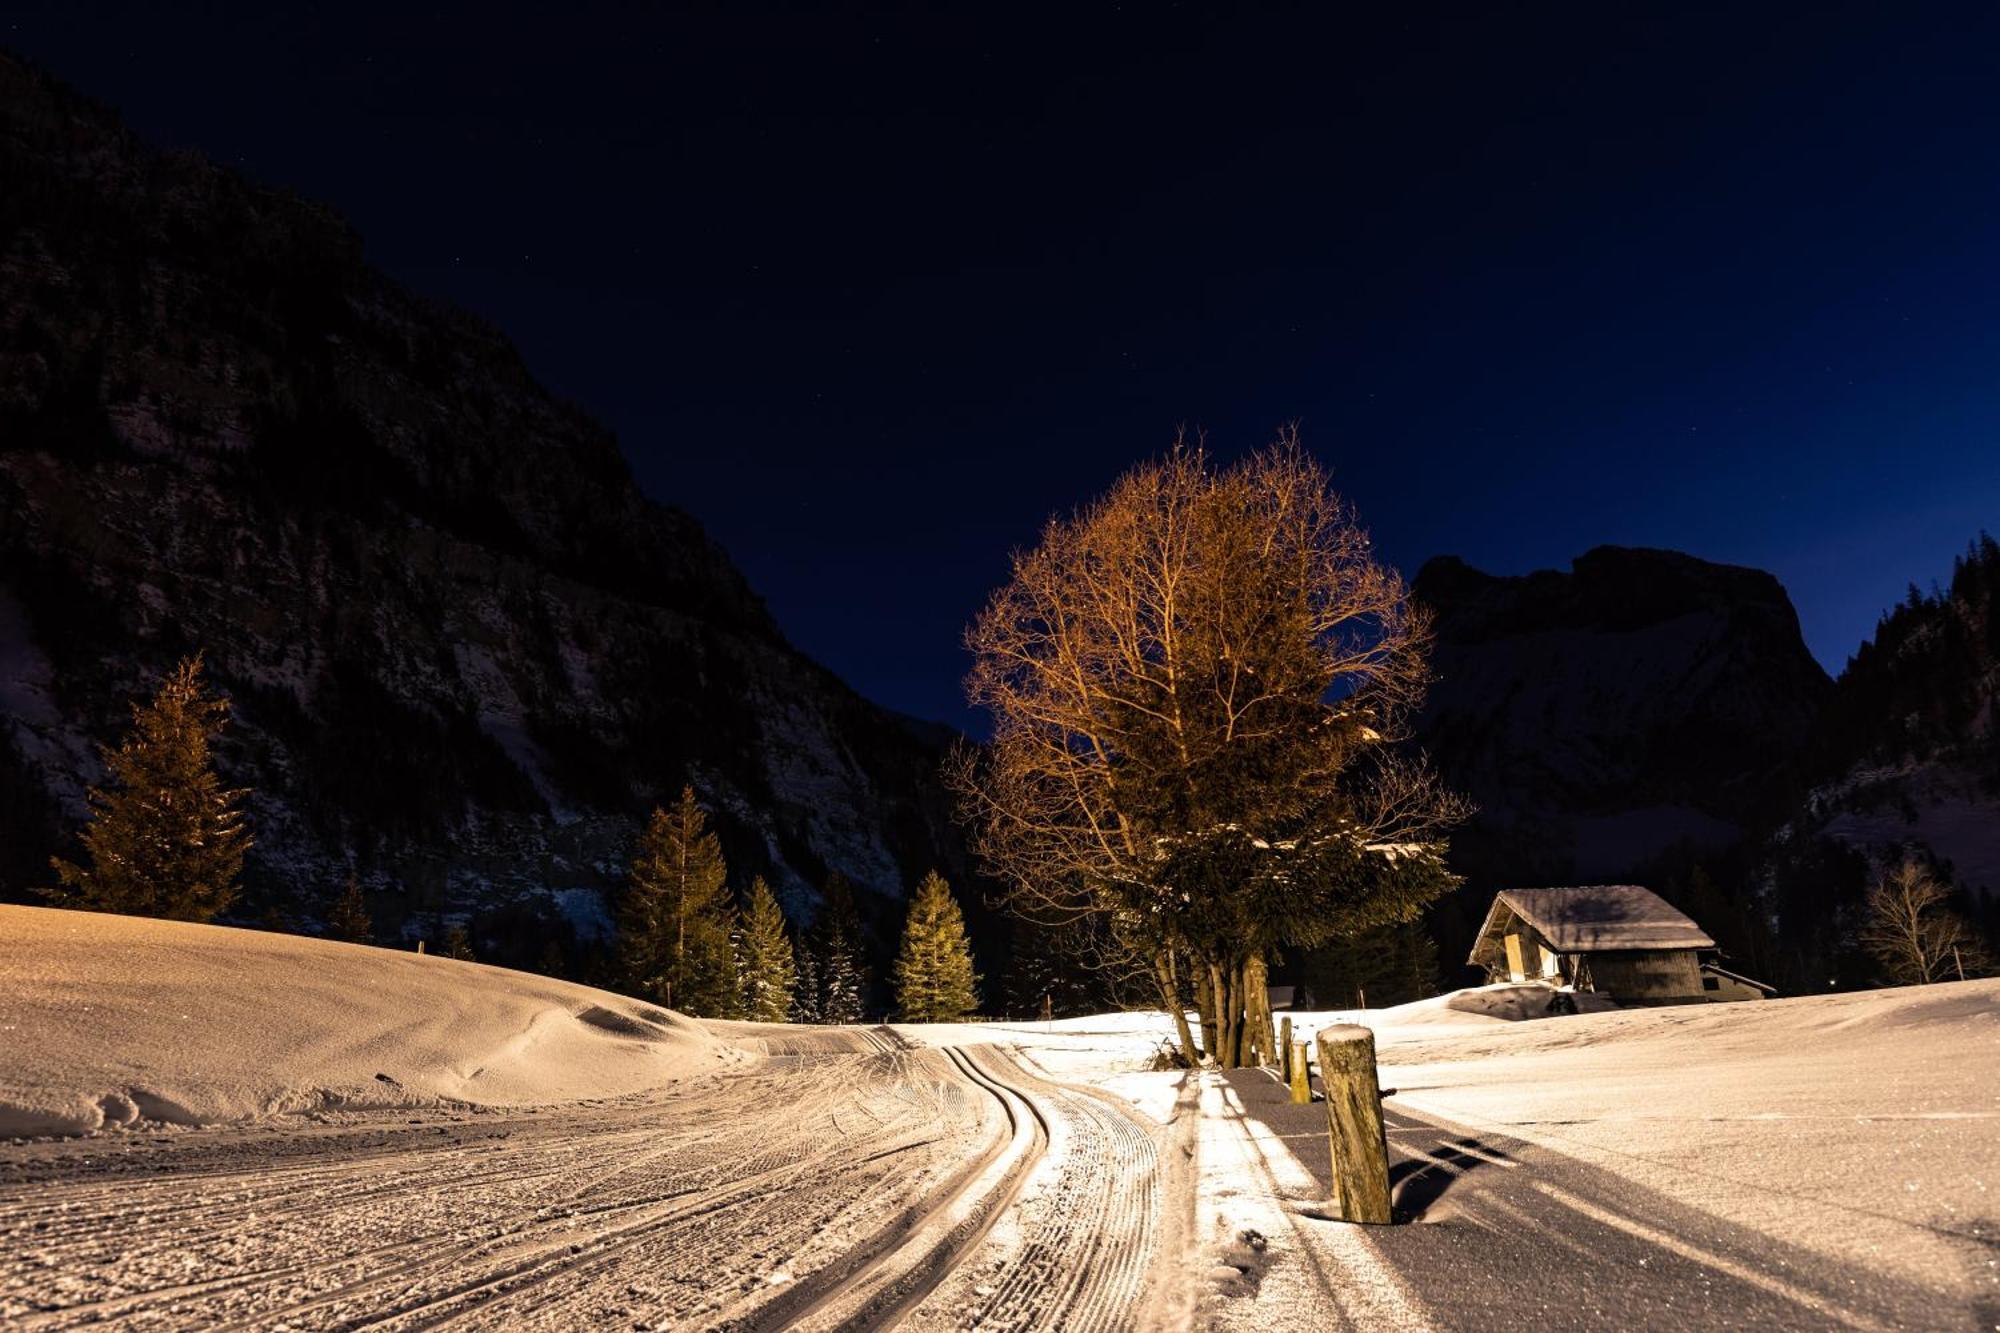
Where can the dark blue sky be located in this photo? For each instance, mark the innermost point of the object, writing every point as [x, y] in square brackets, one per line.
[872, 294]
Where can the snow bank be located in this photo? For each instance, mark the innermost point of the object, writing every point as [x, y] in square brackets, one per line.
[108, 1020]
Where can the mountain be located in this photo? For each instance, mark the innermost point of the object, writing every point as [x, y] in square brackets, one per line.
[465, 653]
[1600, 717]
[1911, 755]
[1654, 717]
[1644, 717]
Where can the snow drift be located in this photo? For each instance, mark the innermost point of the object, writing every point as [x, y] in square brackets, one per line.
[109, 1020]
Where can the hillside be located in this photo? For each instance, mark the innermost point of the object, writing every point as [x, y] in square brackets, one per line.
[1910, 756]
[466, 653]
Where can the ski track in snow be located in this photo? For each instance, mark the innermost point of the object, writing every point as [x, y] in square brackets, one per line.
[837, 1184]
[1653, 1169]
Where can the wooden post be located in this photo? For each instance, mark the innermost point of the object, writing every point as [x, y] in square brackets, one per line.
[1301, 1079]
[1354, 1123]
[420, 946]
[1285, 1051]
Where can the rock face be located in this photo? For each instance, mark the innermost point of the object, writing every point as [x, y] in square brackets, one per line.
[1603, 715]
[466, 653]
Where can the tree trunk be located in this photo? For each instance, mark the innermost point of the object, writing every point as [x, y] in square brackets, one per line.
[1225, 1027]
[1170, 996]
[1257, 998]
[1204, 1003]
[1233, 1017]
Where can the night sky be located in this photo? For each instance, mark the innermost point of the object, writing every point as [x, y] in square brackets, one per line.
[871, 295]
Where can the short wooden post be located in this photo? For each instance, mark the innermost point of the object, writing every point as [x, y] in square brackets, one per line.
[1285, 1050]
[1301, 1080]
[1354, 1123]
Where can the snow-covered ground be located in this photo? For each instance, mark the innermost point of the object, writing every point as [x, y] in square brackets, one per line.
[106, 1020]
[1858, 1133]
[544, 1155]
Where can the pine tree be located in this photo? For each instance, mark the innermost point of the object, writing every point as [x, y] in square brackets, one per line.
[1380, 967]
[675, 921]
[458, 944]
[348, 919]
[168, 838]
[841, 972]
[805, 986]
[934, 977]
[553, 962]
[768, 973]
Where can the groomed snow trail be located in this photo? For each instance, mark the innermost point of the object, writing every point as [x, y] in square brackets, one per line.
[1075, 1250]
[688, 1209]
[847, 1180]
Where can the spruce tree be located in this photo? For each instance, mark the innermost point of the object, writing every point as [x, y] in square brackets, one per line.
[766, 954]
[167, 838]
[675, 921]
[348, 919]
[553, 962]
[840, 973]
[805, 986]
[458, 944]
[934, 977]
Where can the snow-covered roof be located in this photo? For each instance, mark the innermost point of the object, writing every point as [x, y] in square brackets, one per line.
[1594, 918]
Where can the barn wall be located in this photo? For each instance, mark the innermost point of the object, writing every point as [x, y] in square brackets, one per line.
[1648, 974]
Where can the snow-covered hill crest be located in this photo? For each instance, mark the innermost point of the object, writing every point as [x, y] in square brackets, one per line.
[111, 1020]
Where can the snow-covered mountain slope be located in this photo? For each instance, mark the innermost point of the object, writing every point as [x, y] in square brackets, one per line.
[109, 1020]
[466, 653]
[1600, 716]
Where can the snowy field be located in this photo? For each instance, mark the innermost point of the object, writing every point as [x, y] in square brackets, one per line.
[109, 1019]
[228, 1127]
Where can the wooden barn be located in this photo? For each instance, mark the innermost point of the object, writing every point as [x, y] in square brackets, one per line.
[1617, 940]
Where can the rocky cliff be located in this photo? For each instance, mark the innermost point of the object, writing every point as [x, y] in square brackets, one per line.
[1600, 716]
[466, 653]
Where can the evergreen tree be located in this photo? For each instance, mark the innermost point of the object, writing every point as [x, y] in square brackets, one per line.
[934, 977]
[768, 973]
[840, 972]
[348, 919]
[805, 985]
[1076, 969]
[168, 838]
[1379, 967]
[458, 944]
[553, 963]
[675, 921]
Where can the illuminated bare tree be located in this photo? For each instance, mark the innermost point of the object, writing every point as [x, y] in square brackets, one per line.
[1196, 683]
[1914, 935]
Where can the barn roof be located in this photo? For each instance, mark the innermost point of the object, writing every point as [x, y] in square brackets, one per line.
[1594, 918]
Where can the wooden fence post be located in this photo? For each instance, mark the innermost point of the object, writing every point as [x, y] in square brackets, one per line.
[1354, 1123]
[1285, 1051]
[1301, 1079]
